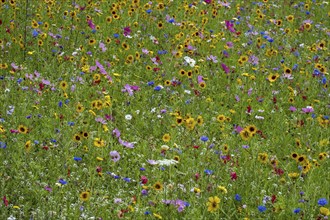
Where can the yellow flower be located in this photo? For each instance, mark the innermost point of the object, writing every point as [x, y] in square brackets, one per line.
[166, 138]
[223, 189]
[98, 142]
[263, 157]
[324, 211]
[158, 186]
[79, 108]
[245, 134]
[63, 85]
[2, 129]
[294, 175]
[28, 146]
[157, 216]
[197, 190]
[84, 196]
[221, 118]
[213, 204]
[22, 129]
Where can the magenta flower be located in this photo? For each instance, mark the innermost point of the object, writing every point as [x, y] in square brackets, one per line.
[127, 31]
[308, 109]
[292, 108]
[225, 68]
[91, 24]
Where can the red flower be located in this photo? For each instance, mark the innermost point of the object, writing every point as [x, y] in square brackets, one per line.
[5, 201]
[98, 169]
[144, 179]
[249, 109]
[233, 176]
[197, 176]
[273, 198]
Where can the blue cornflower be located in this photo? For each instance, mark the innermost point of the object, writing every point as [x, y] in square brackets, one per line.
[297, 210]
[127, 179]
[3, 145]
[208, 172]
[157, 88]
[322, 202]
[142, 169]
[70, 123]
[151, 83]
[149, 11]
[35, 33]
[116, 35]
[147, 213]
[62, 181]
[77, 158]
[238, 197]
[60, 104]
[204, 138]
[262, 208]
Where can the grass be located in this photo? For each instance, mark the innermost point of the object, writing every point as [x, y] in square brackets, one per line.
[164, 109]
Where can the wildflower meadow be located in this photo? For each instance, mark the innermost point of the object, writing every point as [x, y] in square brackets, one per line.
[164, 109]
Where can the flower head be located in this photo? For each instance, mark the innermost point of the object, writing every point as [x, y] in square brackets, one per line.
[213, 204]
[115, 156]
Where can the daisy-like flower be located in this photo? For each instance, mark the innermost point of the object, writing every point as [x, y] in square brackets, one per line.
[22, 129]
[98, 142]
[166, 137]
[158, 186]
[213, 204]
[85, 196]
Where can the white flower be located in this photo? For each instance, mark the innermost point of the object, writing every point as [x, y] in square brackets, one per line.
[128, 117]
[187, 91]
[190, 61]
[165, 147]
[166, 162]
[259, 117]
[11, 218]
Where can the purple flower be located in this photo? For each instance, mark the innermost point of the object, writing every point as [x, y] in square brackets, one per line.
[91, 24]
[115, 156]
[253, 60]
[230, 26]
[101, 120]
[48, 188]
[127, 31]
[144, 192]
[292, 108]
[116, 132]
[308, 109]
[152, 162]
[225, 68]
